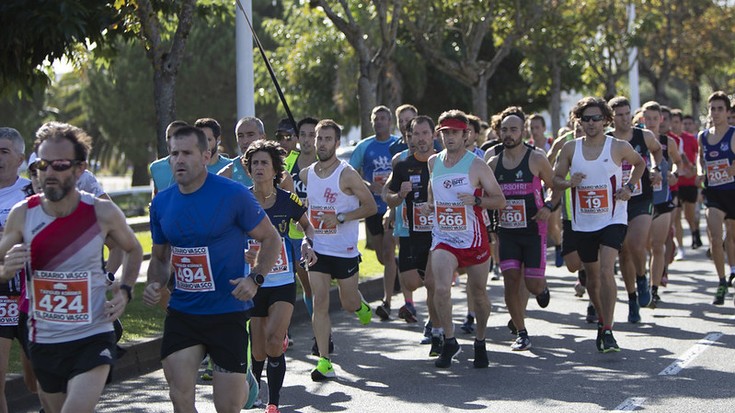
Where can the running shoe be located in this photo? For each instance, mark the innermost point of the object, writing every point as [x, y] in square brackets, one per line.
[696, 240]
[634, 311]
[591, 314]
[426, 339]
[290, 340]
[437, 344]
[732, 277]
[467, 325]
[598, 340]
[559, 259]
[449, 351]
[720, 295]
[253, 391]
[512, 327]
[544, 298]
[315, 348]
[608, 342]
[323, 370]
[522, 343]
[643, 290]
[408, 313]
[679, 254]
[579, 289]
[272, 408]
[365, 314]
[654, 301]
[382, 311]
[480, 360]
[496, 273]
[207, 375]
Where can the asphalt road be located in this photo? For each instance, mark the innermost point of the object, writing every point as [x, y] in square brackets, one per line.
[679, 358]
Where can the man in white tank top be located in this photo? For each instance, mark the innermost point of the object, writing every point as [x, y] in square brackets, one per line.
[462, 185]
[68, 261]
[599, 197]
[337, 199]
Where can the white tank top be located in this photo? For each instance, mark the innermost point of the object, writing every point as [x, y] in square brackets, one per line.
[594, 201]
[456, 224]
[325, 197]
[67, 285]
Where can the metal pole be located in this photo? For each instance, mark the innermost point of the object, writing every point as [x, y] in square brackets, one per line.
[244, 62]
[635, 98]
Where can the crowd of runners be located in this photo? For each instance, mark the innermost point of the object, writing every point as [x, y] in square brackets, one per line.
[445, 198]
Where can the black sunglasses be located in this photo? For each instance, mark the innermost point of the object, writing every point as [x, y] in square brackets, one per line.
[594, 118]
[58, 165]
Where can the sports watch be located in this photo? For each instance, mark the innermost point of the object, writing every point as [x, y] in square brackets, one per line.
[341, 218]
[257, 278]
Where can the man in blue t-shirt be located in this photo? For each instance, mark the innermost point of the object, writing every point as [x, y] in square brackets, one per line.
[372, 159]
[199, 229]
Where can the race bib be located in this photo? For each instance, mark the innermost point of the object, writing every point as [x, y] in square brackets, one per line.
[717, 172]
[9, 310]
[62, 297]
[513, 216]
[452, 216]
[192, 269]
[421, 222]
[315, 216]
[381, 177]
[627, 169]
[593, 199]
[281, 264]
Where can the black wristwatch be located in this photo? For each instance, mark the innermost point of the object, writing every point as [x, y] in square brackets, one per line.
[549, 206]
[341, 218]
[630, 186]
[128, 290]
[478, 201]
[257, 278]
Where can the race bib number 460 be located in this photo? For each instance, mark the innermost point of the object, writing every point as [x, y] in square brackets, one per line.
[281, 264]
[192, 269]
[513, 216]
[593, 199]
[451, 216]
[9, 310]
[62, 297]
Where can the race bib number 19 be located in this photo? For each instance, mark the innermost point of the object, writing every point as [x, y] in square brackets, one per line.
[62, 297]
[192, 269]
[593, 199]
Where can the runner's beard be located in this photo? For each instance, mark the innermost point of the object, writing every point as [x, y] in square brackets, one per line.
[56, 194]
[512, 143]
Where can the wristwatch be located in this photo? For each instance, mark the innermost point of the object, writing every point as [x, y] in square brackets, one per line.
[630, 186]
[341, 218]
[549, 206]
[257, 278]
[128, 290]
[478, 201]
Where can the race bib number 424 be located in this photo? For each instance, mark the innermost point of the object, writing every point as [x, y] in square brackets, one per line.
[192, 269]
[62, 297]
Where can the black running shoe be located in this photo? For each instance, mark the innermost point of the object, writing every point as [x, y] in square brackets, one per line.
[732, 277]
[591, 314]
[315, 348]
[449, 351]
[426, 339]
[467, 325]
[480, 360]
[383, 311]
[608, 342]
[512, 327]
[437, 343]
[544, 298]
[720, 294]
[598, 340]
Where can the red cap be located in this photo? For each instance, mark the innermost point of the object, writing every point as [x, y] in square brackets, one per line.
[452, 124]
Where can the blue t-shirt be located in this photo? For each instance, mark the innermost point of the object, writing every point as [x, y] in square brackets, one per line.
[287, 207]
[239, 174]
[374, 158]
[207, 227]
[163, 177]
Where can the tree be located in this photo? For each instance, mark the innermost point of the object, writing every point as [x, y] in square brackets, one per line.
[459, 40]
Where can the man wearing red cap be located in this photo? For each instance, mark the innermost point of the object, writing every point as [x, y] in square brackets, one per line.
[461, 187]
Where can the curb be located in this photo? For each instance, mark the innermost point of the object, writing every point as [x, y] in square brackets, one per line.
[143, 356]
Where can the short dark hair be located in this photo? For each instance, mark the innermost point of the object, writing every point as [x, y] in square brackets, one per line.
[422, 119]
[618, 101]
[211, 124]
[274, 150]
[173, 126]
[677, 113]
[57, 131]
[474, 121]
[306, 121]
[652, 105]
[687, 116]
[381, 108]
[720, 95]
[454, 114]
[329, 123]
[536, 116]
[593, 102]
[189, 130]
[512, 111]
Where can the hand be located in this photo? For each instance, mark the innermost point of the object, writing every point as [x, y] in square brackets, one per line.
[427, 209]
[671, 179]
[250, 255]
[245, 288]
[115, 307]
[406, 188]
[466, 198]
[308, 254]
[543, 214]
[623, 194]
[329, 220]
[656, 178]
[15, 259]
[152, 294]
[376, 188]
[576, 179]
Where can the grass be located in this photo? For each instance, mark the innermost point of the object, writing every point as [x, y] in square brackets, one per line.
[141, 321]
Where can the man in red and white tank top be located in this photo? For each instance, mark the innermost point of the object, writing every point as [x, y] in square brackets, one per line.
[58, 238]
[599, 197]
[461, 187]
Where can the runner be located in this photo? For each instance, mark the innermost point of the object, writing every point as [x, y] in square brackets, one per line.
[461, 185]
[338, 199]
[273, 304]
[57, 237]
[199, 227]
[599, 196]
[160, 170]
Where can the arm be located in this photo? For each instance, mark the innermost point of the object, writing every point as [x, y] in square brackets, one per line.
[158, 273]
[287, 182]
[351, 183]
[307, 252]
[677, 163]
[628, 154]
[13, 252]
[304, 175]
[541, 167]
[561, 169]
[493, 197]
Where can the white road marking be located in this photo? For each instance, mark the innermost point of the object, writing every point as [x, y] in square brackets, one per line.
[630, 404]
[689, 356]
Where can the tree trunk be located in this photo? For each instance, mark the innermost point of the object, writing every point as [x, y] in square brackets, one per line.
[164, 92]
[140, 172]
[611, 90]
[367, 88]
[695, 97]
[479, 97]
[659, 88]
[555, 95]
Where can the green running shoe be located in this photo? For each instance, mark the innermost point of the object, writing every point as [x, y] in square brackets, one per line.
[364, 313]
[323, 370]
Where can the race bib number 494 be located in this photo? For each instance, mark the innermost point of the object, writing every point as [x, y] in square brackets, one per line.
[62, 297]
[192, 269]
[9, 310]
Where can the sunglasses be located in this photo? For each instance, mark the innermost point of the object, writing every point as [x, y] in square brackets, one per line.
[284, 137]
[58, 165]
[594, 118]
